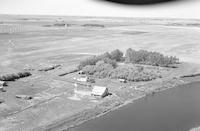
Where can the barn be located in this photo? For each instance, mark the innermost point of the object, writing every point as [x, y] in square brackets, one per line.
[99, 91]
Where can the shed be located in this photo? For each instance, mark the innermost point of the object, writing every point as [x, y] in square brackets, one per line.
[2, 83]
[80, 72]
[122, 80]
[99, 91]
[82, 79]
[25, 97]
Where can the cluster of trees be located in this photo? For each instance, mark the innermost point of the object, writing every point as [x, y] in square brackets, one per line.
[110, 58]
[101, 69]
[105, 65]
[130, 73]
[134, 73]
[131, 56]
[149, 58]
[13, 77]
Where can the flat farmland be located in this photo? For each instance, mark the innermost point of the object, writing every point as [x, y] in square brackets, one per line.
[36, 42]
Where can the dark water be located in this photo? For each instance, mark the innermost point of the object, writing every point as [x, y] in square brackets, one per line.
[177, 109]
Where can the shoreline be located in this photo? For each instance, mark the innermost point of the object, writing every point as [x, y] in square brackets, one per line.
[89, 114]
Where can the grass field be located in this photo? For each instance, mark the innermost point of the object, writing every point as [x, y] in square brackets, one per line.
[26, 42]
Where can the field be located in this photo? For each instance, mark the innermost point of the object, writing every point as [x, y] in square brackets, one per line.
[36, 42]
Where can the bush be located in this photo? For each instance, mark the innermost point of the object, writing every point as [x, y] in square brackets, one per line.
[9, 77]
[23, 74]
[89, 70]
[111, 62]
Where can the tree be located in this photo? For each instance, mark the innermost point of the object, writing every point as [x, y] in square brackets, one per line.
[101, 66]
[89, 69]
[89, 61]
[111, 62]
[103, 56]
[106, 57]
[116, 55]
[129, 55]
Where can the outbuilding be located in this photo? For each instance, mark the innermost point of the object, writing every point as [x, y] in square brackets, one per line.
[80, 72]
[82, 79]
[2, 83]
[99, 91]
[122, 80]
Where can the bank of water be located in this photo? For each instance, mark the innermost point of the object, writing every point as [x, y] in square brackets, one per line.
[176, 109]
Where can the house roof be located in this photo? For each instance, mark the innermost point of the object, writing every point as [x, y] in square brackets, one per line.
[98, 90]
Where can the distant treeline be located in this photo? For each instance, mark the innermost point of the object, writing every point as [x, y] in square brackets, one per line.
[93, 25]
[13, 77]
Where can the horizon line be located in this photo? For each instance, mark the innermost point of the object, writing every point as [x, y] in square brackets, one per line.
[128, 17]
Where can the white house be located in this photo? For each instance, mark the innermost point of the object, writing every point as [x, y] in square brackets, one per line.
[99, 91]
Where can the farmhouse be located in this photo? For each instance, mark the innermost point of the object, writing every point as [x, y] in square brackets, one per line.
[99, 91]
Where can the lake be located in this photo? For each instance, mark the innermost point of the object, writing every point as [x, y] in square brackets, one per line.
[176, 109]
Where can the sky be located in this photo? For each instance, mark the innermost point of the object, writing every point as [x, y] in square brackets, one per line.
[185, 9]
